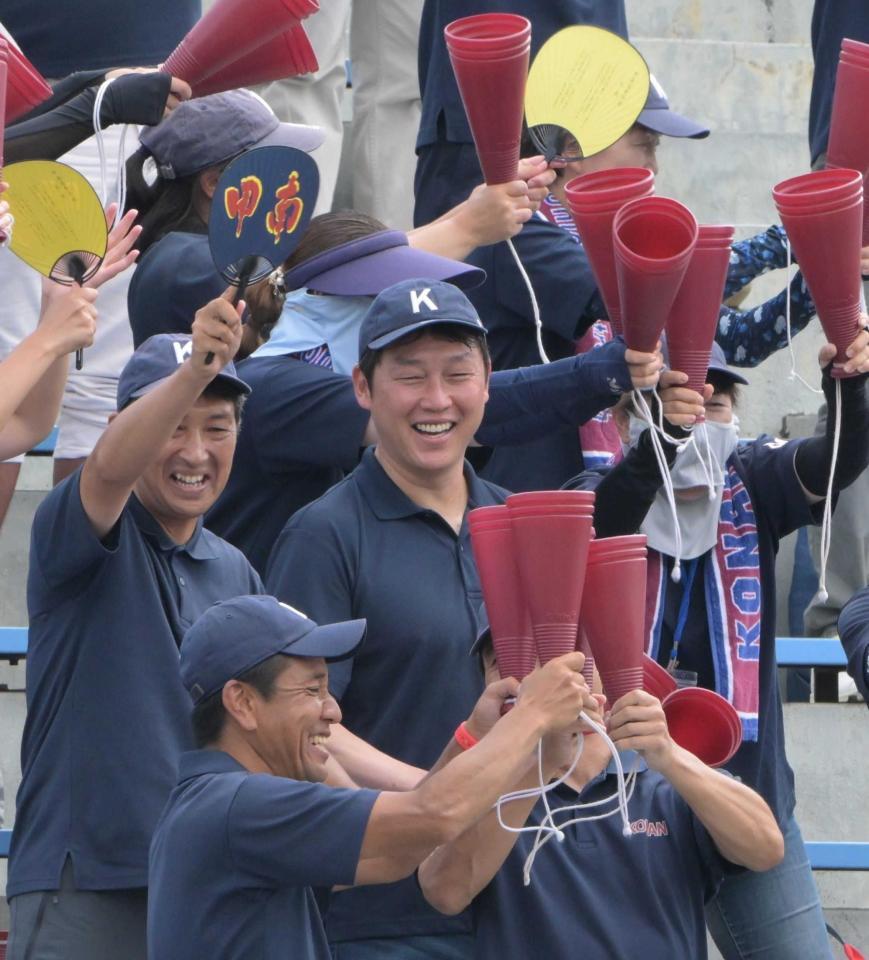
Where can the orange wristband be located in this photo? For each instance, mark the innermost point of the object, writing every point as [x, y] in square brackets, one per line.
[465, 739]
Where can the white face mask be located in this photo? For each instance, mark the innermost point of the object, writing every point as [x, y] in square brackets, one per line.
[701, 463]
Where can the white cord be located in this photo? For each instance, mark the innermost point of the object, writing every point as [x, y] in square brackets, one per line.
[535, 307]
[121, 188]
[827, 520]
[793, 375]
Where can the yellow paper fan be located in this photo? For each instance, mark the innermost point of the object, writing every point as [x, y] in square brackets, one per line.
[588, 81]
[60, 227]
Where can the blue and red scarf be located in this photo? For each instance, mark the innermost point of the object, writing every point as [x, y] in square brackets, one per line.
[732, 588]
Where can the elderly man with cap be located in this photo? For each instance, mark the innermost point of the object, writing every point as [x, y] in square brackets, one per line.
[390, 543]
[710, 599]
[251, 827]
[120, 567]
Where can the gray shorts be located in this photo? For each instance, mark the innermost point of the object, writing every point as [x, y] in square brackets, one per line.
[70, 924]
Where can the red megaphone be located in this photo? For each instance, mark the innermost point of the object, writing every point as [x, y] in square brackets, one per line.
[509, 620]
[490, 53]
[613, 614]
[822, 213]
[593, 200]
[653, 240]
[229, 31]
[289, 54]
[848, 143]
[3, 71]
[25, 86]
[693, 318]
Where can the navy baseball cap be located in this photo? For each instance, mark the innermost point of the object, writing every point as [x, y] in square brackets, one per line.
[656, 115]
[206, 131]
[233, 636]
[157, 359]
[414, 305]
[717, 362]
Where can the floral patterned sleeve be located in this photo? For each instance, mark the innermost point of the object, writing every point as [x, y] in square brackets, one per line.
[750, 336]
[755, 256]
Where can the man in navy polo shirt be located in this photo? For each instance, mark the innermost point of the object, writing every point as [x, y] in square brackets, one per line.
[600, 894]
[390, 543]
[120, 567]
[251, 827]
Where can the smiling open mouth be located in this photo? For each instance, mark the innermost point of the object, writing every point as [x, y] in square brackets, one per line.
[433, 429]
[190, 481]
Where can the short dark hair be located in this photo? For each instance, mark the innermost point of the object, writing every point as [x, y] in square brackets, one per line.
[221, 390]
[209, 715]
[370, 359]
[721, 383]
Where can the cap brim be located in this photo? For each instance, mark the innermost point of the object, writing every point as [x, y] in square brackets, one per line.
[372, 274]
[671, 124]
[332, 641]
[393, 335]
[298, 135]
[728, 373]
[242, 388]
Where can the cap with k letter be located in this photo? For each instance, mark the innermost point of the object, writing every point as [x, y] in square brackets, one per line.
[413, 305]
[157, 359]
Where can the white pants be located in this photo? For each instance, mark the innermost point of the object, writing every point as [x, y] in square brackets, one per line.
[386, 104]
[89, 396]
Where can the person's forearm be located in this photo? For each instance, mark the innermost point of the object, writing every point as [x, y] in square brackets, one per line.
[456, 872]
[530, 402]
[33, 378]
[369, 767]
[446, 236]
[814, 456]
[738, 819]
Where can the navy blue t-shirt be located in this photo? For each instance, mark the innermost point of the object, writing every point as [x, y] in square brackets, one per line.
[107, 715]
[600, 895]
[302, 431]
[766, 466]
[366, 550]
[437, 83]
[61, 37]
[832, 20]
[234, 858]
[175, 277]
[854, 634]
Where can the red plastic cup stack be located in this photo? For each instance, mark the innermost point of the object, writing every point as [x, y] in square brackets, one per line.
[848, 143]
[653, 242]
[289, 54]
[490, 54]
[229, 31]
[593, 200]
[822, 213]
[25, 86]
[509, 619]
[704, 723]
[552, 530]
[694, 316]
[613, 611]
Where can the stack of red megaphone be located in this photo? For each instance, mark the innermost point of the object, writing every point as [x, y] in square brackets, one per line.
[822, 213]
[490, 53]
[244, 42]
[550, 588]
[848, 143]
[25, 86]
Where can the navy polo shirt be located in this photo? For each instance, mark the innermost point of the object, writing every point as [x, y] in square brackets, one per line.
[175, 277]
[600, 895]
[107, 715]
[235, 855]
[366, 550]
[441, 102]
[302, 430]
[766, 466]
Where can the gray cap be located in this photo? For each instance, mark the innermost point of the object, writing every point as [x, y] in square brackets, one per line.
[206, 131]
